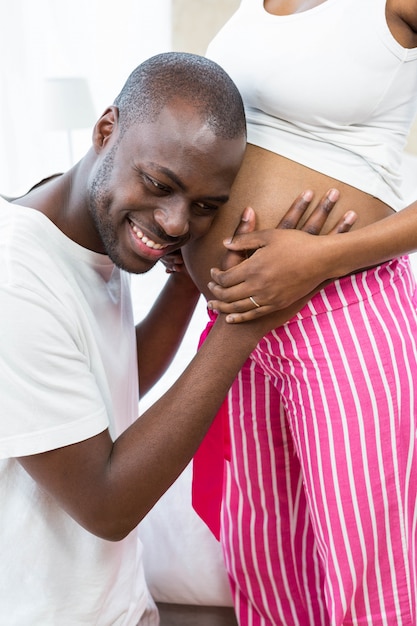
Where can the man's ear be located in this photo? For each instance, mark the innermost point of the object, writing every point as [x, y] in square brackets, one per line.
[106, 127]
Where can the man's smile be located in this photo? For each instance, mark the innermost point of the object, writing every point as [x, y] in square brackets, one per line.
[148, 248]
[145, 239]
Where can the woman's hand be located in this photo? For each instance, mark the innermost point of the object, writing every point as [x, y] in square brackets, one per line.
[269, 270]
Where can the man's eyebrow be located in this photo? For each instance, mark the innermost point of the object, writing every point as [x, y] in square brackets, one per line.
[170, 174]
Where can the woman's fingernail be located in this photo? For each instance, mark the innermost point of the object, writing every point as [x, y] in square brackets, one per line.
[350, 217]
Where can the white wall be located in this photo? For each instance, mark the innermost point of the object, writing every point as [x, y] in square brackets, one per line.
[195, 22]
[98, 39]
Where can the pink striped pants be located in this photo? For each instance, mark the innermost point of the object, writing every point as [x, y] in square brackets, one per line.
[320, 499]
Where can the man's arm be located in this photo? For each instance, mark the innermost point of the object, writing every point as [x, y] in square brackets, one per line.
[107, 486]
[160, 333]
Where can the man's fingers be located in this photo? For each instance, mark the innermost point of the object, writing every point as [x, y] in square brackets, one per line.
[226, 279]
[248, 241]
[240, 310]
[246, 224]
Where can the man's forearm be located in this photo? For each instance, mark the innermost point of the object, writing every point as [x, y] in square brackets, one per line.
[149, 456]
[160, 334]
[107, 486]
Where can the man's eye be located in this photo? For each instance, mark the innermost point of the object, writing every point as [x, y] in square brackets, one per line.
[206, 208]
[156, 184]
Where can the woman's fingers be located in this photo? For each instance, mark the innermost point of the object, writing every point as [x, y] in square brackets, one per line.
[345, 224]
[250, 286]
[320, 214]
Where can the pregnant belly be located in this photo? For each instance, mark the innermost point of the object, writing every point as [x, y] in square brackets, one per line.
[269, 183]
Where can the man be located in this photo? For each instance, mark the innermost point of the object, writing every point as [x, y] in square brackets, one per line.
[78, 470]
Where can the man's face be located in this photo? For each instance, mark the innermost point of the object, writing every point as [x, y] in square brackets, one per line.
[161, 186]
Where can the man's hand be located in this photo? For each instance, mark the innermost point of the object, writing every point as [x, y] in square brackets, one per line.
[269, 270]
[174, 263]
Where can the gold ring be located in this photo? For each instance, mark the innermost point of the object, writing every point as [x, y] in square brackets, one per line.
[258, 306]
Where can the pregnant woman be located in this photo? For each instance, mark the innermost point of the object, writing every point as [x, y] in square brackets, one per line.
[319, 511]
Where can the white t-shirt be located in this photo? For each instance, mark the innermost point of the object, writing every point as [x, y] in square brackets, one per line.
[328, 87]
[68, 371]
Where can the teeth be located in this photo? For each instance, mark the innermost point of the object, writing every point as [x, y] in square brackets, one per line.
[148, 242]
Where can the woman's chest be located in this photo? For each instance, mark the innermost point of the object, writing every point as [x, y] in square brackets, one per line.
[328, 63]
[288, 7]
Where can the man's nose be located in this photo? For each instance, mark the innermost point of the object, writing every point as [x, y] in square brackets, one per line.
[173, 219]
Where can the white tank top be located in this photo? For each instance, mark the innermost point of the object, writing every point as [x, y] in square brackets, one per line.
[329, 88]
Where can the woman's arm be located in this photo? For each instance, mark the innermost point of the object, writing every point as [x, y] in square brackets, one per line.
[402, 20]
[292, 263]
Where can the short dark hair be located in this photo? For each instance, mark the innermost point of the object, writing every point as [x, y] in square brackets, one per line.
[190, 77]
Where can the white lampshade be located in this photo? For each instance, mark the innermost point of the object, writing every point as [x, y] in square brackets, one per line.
[68, 104]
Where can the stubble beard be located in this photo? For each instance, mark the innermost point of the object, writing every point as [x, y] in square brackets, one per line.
[100, 203]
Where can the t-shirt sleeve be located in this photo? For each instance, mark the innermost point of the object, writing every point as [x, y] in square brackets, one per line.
[49, 397]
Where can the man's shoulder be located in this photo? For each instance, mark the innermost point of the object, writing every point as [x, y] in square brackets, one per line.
[26, 244]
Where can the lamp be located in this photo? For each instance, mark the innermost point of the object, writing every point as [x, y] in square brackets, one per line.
[68, 106]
